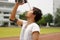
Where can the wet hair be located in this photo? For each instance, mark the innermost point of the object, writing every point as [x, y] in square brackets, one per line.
[38, 14]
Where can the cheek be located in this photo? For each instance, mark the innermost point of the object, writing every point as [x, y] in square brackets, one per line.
[29, 14]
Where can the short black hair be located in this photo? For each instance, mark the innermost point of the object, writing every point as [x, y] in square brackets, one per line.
[38, 14]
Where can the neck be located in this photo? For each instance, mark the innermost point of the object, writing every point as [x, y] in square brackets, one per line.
[30, 20]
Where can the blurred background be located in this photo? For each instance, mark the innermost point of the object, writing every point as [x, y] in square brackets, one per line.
[50, 22]
[50, 10]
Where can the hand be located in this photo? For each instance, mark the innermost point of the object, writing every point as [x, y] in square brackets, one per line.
[18, 4]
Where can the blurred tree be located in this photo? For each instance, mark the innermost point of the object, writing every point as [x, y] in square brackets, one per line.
[49, 18]
[22, 16]
[42, 21]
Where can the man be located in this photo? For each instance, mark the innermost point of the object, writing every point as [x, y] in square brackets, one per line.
[30, 30]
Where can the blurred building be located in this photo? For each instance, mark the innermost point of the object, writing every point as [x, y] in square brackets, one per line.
[5, 9]
[56, 4]
[4, 0]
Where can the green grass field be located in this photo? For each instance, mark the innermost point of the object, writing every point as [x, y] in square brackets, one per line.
[11, 32]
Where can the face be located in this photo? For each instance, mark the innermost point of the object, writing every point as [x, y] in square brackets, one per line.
[30, 14]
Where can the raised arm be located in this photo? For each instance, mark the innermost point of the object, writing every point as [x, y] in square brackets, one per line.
[13, 14]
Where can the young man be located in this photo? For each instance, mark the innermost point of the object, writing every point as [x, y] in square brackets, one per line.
[30, 30]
